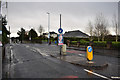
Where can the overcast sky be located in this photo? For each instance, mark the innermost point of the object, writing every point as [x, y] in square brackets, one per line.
[75, 15]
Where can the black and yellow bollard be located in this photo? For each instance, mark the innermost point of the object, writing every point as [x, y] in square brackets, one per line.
[90, 54]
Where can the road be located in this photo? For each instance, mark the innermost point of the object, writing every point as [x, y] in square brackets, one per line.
[33, 61]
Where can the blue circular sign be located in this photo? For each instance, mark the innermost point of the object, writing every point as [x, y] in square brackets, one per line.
[60, 30]
[89, 49]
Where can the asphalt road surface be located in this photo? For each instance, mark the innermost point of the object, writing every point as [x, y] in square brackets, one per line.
[33, 61]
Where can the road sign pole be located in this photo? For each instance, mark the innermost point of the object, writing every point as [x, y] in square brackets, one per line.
[60, 20]
[60, 27]
[60, 50]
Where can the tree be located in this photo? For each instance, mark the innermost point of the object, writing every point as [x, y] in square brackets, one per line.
[90, 27]
[5, 32]
[101, 27]
[115, 25]
[21, 34]
[32, 34]
[41, 30]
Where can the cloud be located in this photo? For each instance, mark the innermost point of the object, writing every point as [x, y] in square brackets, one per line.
[63, 0]
[75, 15]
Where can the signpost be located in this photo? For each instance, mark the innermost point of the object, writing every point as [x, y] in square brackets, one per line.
[60, 36]
[89, 53]
[60, 30]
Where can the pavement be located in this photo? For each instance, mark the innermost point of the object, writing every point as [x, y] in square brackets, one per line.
[80, 59]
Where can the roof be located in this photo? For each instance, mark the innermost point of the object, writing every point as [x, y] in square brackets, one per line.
[76, 33]
[50, 33]
[53, 32]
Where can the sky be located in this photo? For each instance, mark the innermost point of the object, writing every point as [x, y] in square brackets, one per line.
[75, 15]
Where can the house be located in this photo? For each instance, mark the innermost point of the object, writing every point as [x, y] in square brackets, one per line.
[45, 34]
[52, 34]
[76, 33]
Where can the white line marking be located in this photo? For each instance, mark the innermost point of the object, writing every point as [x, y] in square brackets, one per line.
[41, 52]
[38, 50]
[11, 55]
[114, 77]
[97, 74]
[81, 54]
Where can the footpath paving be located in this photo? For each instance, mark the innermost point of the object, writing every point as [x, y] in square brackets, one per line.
[6, 62]
[79, 58]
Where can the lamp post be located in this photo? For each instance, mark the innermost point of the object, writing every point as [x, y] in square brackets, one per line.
[9, 36]
[48, 27]
[30, 33]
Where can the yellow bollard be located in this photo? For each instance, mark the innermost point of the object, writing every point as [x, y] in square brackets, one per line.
[89, 53]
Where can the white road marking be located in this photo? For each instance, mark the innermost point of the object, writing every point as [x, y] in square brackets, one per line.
[37, 49]
[114, 77]
[81, 54]
[41, 52]
[97, 74]
[11, 54]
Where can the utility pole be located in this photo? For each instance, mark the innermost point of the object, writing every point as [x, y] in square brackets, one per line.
[48, 27]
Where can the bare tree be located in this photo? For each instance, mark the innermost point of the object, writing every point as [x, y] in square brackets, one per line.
[41, 30]
[101, 27]
[115, 25]
[90, 27]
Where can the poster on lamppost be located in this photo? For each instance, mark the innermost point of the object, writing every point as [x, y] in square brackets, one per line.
[60, 39]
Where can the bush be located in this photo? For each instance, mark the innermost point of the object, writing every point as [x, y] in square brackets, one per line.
[116, 45]
[73, 42]
[84, 42]
[100, 43]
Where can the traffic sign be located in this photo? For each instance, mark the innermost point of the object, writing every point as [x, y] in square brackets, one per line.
[60, 30]
[60, 39]
[89, 53]
[90, 49]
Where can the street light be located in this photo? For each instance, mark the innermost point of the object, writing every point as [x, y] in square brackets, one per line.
[48, 26]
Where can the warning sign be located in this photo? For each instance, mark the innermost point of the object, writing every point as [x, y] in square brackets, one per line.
[60, 39]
